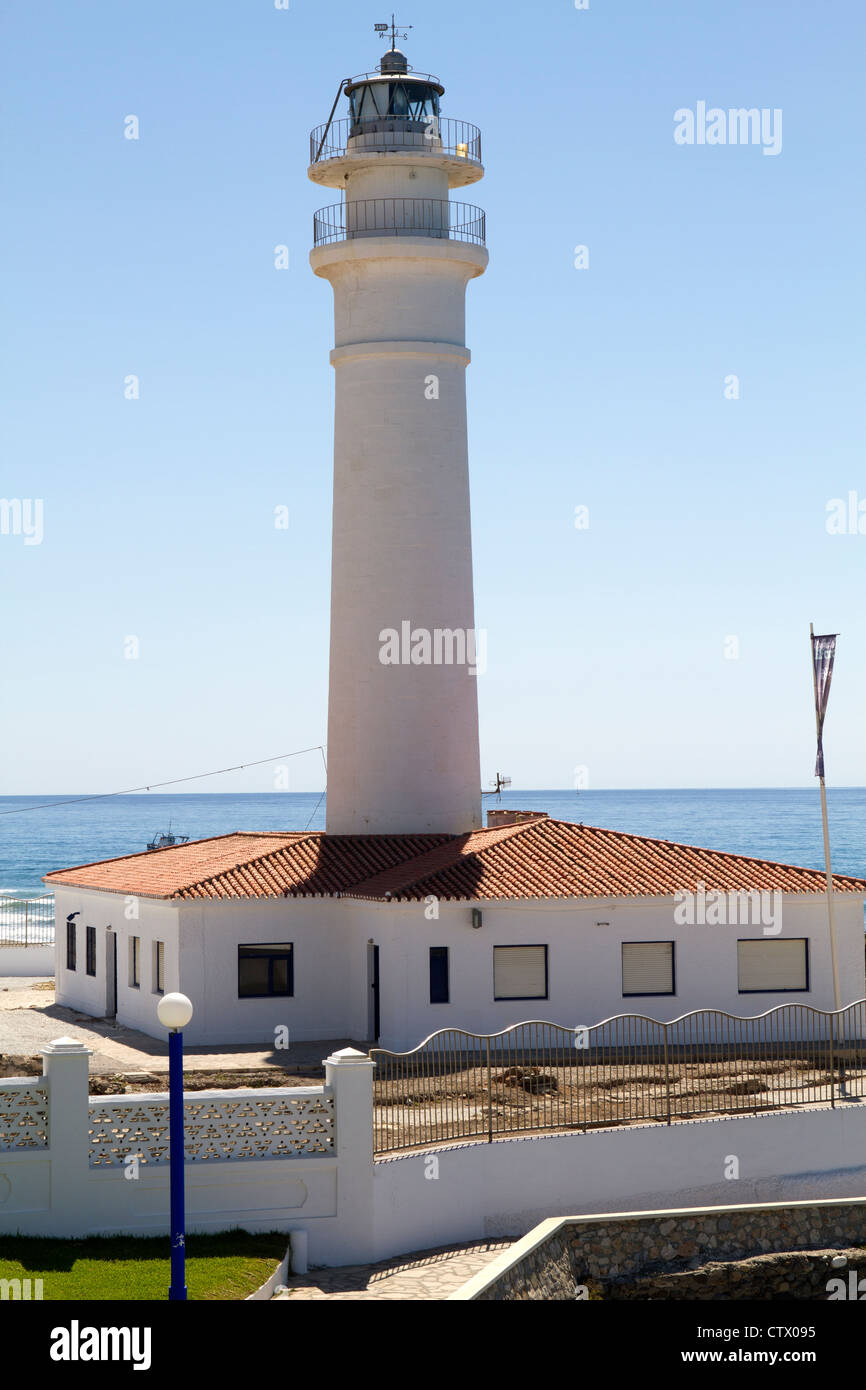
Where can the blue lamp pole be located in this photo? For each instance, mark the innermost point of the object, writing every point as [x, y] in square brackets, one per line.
[175, 1012]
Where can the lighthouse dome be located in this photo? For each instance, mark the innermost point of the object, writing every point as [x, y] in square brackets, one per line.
[394, 61]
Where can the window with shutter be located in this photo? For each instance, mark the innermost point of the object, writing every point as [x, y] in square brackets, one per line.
[159, 967]
[90, 947]
[519, 972]
[772, 967]
[648, 967]
[134, 962]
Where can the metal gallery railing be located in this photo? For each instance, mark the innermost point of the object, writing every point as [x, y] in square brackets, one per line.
[27, 921]
[438, 135]
[539, 1076]
[374, 217]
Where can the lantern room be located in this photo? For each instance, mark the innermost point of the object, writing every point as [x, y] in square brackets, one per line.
[378, 101]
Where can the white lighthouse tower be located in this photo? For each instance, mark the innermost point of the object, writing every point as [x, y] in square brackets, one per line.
[403, 709]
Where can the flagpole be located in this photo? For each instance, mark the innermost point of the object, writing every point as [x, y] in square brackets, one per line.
[833, 958]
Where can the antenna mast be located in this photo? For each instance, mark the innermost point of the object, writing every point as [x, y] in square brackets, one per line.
[498, 785]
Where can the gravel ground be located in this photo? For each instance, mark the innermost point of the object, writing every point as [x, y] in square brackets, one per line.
[29, 1019]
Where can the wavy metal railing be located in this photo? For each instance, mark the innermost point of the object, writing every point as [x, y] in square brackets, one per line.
[440, 135]
[427, 217]
[27, 921]
[539, 1076]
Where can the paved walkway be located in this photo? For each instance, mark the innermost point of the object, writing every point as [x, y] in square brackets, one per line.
[29, 1019]
[425, 1274]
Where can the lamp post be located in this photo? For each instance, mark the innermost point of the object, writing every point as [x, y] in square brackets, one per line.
[174, 1012]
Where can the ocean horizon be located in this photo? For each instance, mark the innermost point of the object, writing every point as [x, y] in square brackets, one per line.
[782, 824]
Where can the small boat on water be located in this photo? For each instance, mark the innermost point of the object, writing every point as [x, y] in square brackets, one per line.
[163, 840]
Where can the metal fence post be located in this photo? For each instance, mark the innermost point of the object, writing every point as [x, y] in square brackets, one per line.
[489, 1098]
[667, 1074]
[832, 1063]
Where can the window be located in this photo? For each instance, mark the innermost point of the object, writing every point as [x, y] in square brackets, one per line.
[134, 962]
[266, 970]
[648, 967]
[70, 944]
[519, 972]
[772, 967]
[438, 974]
[159, 967]
[90, 947]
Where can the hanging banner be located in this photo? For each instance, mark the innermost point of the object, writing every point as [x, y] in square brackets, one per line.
[823, 656]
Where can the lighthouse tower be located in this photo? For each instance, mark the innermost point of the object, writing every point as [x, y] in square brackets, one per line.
[402, 710]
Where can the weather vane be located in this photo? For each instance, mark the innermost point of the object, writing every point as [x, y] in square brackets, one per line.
[382, 30]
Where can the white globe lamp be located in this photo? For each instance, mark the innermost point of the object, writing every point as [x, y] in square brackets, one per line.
[174, 1011]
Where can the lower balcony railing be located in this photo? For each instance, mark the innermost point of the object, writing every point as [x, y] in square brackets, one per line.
[373, 217]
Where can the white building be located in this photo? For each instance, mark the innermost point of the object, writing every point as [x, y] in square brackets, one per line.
[396, 936]
[406, 916]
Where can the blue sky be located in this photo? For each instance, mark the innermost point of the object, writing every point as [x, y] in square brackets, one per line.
[601, 388]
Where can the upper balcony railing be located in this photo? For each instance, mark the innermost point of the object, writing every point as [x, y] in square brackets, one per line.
[375, 217]
[410, 75]
[438, 135]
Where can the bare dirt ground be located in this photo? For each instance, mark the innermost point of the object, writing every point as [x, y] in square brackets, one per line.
[466, 1104]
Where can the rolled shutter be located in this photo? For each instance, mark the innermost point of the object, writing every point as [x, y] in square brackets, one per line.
[648, 967]
[768, 966]
[520, 972]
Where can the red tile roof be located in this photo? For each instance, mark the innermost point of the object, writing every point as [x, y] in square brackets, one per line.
[542, 858]
[247, 865]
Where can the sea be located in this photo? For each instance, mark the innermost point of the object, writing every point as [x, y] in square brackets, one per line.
[39, 833]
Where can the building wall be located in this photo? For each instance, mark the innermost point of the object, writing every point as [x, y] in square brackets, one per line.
[201, 959]
[331, 939]
[584, 961]
[149, 919]
[322, 1006]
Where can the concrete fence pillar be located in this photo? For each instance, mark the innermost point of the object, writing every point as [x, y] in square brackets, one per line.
[66, 1068]
[349, 1073]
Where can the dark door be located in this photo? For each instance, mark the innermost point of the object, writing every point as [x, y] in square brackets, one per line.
[111, 974]
[373, 969]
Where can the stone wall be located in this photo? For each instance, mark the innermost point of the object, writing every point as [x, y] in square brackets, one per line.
[640, 1255]
[789, 1275]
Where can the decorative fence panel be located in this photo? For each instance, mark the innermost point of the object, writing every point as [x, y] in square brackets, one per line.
[539, 1076]
[27, 921]
[219, 1126]
[23, 1115]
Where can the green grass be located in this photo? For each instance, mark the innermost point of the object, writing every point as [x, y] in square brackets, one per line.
[230, 1265]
